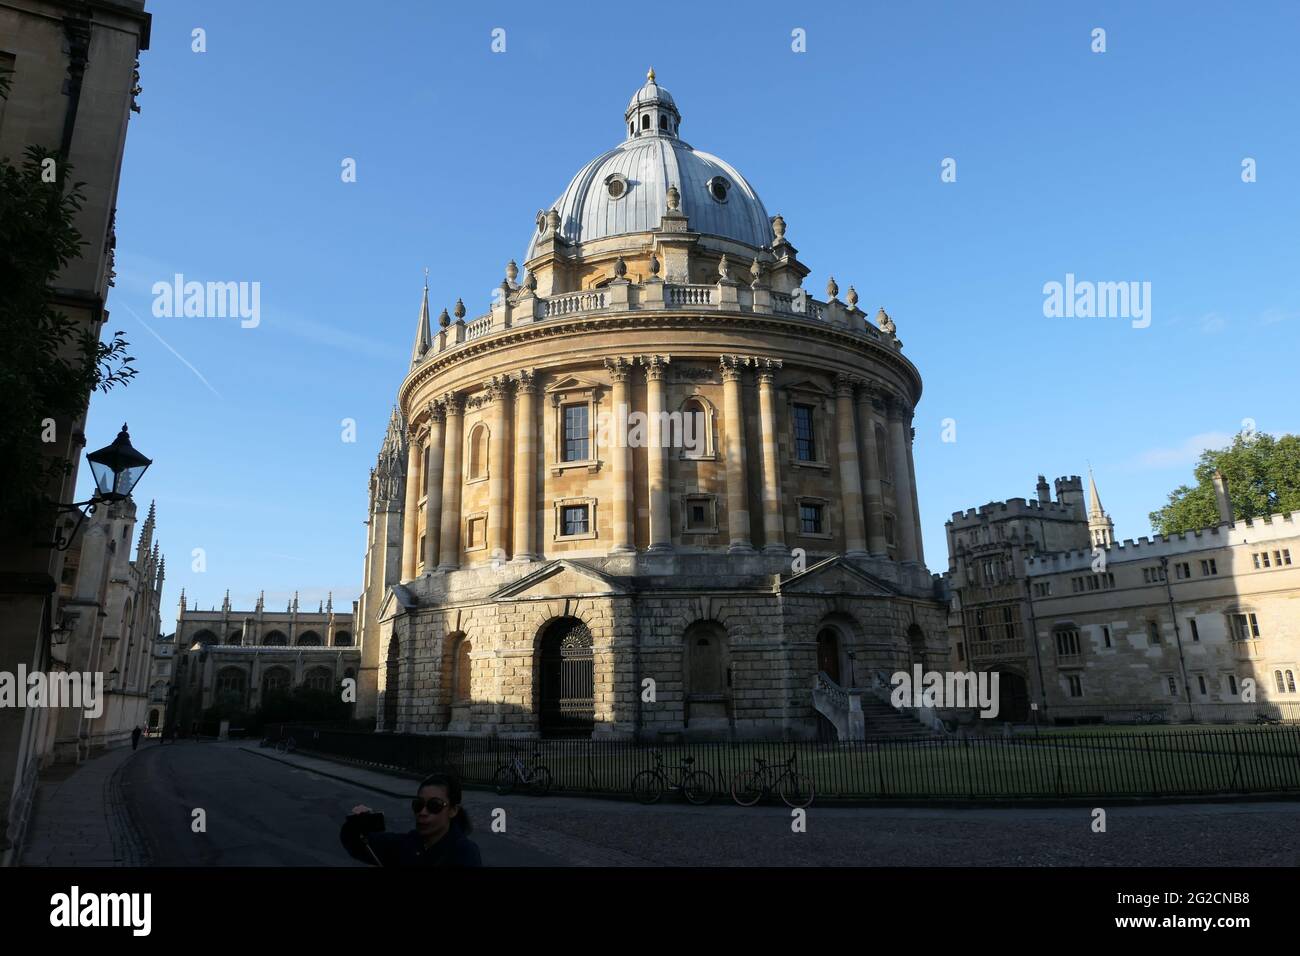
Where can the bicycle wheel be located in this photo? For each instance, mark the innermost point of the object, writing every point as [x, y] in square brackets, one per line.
[698, 787]
[540, 781]
[796, 789]
[647, 787]
[747, 788]
[504, 780]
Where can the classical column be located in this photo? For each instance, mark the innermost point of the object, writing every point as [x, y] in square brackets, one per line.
[525, 466]
[916, 505]
[873, 498]
[904, 522]
[410, 517]
[855, 534]
[449, 537]
[661, 532]
[621, 455]
[498, 539]
[773, 518]
[433, 486]
[737, 484]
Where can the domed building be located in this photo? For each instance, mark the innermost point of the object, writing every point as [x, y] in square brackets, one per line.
[657, 488]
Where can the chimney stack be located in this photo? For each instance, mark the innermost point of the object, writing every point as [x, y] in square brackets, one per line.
[1221, 498]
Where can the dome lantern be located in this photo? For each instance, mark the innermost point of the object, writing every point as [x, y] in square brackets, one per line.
[652, 111]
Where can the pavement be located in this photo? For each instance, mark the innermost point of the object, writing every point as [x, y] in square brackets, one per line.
[80, 816]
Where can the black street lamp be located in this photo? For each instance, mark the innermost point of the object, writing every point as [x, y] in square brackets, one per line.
[116, 468]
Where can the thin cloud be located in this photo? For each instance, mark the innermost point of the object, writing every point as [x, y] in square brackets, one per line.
[1185, 454]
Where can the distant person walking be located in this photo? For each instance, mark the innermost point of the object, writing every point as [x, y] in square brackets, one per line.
[135, 737]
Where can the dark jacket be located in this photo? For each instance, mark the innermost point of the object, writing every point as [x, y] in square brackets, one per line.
[407, 849]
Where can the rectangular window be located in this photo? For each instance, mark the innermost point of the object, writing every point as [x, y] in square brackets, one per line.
[1173, 687]
[574, 519]
[1286, 556]
[1264, 555]
[575, 433]
[1067, 643]
[475, 533]
[961, 652]
[1277, 558]
[1255, 558]
[1232, 684]
[1105, 633]
[805, 443]
[1076, 685]
[1196, 633]
[699, 514]
[1153, 632]
[7, 61]
[1209, 567]
[810, 519]
[1201, 681]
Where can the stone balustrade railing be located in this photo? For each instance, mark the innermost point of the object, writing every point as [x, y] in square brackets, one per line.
[521, 308]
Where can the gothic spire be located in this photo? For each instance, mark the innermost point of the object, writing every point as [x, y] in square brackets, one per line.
[1100, 528]
[423, 339]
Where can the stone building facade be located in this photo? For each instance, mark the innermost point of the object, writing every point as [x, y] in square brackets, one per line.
[73, 66]
[1201, 625]
[658, 487]
[244, 654]
[111, 621]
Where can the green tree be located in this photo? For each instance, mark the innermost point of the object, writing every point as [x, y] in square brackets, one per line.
[49, 365]
[1263, 475]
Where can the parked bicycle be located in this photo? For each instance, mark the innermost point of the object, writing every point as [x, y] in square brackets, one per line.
[695, 785]
[1267, 719]
[1151, 717]
[516, 773]
[287, 746]
[795, 788]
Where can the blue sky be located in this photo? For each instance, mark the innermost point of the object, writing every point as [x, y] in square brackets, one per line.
[1116, 166]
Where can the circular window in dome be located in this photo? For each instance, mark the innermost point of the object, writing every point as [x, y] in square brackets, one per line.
[616, 185]
[718, 188]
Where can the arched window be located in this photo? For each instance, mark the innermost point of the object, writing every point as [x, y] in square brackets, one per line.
[275, 680]
[478, 452]
[310, 639]
[232, 683]
[1281, 686]
[828, 653]
[461, 676]
[342, 639]
[205, 637]
[318, 678]
[1290, 682]
[236, 638]
[645, 120]
[663, 122]
[696, 429]
[275, 639]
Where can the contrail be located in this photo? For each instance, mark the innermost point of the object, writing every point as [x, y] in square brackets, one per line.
[172, 350]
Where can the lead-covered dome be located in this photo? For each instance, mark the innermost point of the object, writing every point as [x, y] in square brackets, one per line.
[625, 190]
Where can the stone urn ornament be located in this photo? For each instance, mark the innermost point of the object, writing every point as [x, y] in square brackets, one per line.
[674, 199]
[778, 227]
[620, 268]
[654, 265]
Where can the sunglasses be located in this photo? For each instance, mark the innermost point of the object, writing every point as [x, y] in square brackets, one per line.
[435, 804]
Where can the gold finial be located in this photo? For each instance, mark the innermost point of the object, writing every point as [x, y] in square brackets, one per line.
[650, 74]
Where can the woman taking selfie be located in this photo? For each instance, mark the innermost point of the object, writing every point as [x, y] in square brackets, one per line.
[440, 837]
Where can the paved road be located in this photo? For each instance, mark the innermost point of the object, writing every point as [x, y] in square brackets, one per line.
[261, 812]
[266, 811]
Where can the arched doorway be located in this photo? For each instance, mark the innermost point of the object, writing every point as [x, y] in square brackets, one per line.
[916, 647]
[828, 653]
[153, 719]
[566, 706]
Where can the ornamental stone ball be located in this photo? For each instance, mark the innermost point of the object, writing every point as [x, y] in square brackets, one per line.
[852, 298]
[885, 322]
[444, 319]
[832, 289]
[459, 311]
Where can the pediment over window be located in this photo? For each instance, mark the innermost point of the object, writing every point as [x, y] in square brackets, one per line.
[560, 579]
[835, 575]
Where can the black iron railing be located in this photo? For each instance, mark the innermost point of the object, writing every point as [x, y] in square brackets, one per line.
[1155, 762]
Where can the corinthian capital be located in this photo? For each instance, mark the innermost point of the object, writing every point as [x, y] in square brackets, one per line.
[526, 382]
[731, 366]
[619, 368]
[655, 366]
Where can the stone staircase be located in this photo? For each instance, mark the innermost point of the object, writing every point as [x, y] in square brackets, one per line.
[857, 714]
